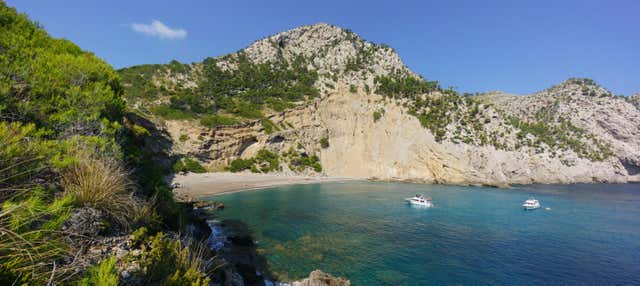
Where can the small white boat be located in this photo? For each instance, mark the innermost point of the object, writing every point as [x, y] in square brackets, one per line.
[421, 200]
[531, 204]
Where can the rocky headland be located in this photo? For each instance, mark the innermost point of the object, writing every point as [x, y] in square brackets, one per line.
[375, 119]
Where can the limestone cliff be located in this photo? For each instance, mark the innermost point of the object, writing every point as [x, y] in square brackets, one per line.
[573, 132]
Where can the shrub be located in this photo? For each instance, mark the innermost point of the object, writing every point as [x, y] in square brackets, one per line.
[353, 88]
[22, 156]
[268, 125]
[238, 165]
[172, 262]
[184, 137]
[300, 163]
[140, 131]
[268, 160]
[103, 274]
[139, 235]
[168, 112]
[404, 86]
[324, 142]
[378, 114]
[100, 182]
[244, 90]
[52, 82]
[188, 165]
[214, 120]
[265, 161]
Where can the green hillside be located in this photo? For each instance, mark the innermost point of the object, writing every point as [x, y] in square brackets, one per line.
[76, 171]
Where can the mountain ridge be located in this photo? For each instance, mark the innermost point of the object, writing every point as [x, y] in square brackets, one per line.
[342, 73]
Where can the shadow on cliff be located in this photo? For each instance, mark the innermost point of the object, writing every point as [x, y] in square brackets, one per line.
[147, 151]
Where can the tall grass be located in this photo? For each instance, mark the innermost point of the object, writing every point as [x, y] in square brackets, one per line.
[29, 242]
[102, 183]
[22, 157]
[29, 238]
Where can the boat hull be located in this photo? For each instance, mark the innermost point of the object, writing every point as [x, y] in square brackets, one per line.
[423, 204]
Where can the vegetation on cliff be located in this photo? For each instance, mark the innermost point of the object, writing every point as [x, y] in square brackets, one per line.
[221, 91]
[450, 116]
[265, 161]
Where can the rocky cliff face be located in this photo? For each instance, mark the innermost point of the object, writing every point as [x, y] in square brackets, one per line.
[573, 132]
[635, 100]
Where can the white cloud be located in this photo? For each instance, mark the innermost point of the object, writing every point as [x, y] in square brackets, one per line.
[160, 30]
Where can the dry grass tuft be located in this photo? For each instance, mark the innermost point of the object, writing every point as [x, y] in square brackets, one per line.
[101, 182]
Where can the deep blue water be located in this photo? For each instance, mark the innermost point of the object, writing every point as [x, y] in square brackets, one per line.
[364, 231]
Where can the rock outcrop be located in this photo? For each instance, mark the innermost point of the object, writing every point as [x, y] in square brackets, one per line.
[319, 278]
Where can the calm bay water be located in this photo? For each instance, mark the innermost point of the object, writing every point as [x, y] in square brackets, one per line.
[364, 231]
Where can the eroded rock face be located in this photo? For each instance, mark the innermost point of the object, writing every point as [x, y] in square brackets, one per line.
[397, 147]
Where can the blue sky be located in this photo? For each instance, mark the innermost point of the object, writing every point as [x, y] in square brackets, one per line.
[514, 46]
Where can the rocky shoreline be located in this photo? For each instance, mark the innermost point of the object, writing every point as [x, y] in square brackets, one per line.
[236, 247]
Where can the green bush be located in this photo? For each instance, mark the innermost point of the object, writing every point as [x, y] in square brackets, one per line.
[140, 131]
[103, 274]
[300, 163]
[139, 236]
[324, 142]
[23, 155]
[378, 114]
[404, 86]
[238, 165]
[169, 262]
[184, 138]
[268, 160]
[265, 161]
[52, 82]
[168, 112]
[188, 165]
[213, 120]
[353, 88]
[268, 125]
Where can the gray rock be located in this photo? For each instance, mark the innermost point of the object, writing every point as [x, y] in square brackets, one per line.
[319, 278]
[87, 222]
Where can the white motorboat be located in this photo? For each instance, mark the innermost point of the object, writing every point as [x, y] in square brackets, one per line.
[531, 204]
[421, 200]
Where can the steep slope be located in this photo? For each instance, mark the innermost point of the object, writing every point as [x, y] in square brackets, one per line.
[321, 92]
[587, 106]
[78, 175]
[272, 74]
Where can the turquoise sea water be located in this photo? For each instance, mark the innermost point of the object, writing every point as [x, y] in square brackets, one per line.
[473, 235]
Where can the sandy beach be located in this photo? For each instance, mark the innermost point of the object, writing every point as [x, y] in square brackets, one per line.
[194, 186]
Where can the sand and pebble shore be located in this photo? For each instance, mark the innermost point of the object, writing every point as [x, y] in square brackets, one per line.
[194, 186]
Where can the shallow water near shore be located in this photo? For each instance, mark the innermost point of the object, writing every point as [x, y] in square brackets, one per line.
[364, 231]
